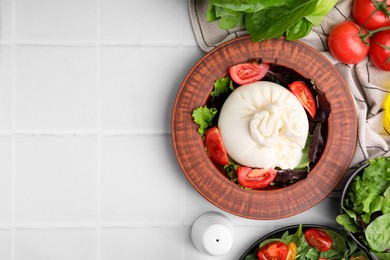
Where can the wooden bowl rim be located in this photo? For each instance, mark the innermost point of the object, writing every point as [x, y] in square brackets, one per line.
[256, 204]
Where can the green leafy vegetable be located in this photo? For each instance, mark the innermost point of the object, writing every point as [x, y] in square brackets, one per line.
[266, 19]
[246, 6]
[343, 246]
[203, 116]
[221, 86]
[323, 7]
[348, 223]
[299, 30]
[305, 160]
[273, 22]
[378, 233]
[367, 206]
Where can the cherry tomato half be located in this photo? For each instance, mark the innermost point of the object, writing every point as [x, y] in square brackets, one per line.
[380, 50]
[255, 178]
[363, 14]
[291, 251]
[304, 95]
[275, 250]
[245, 73]
[318, 239]
[215, 146]
[345, 43]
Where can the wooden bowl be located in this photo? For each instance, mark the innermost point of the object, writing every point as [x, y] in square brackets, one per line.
[264, 204]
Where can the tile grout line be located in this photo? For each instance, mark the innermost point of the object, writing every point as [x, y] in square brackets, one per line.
[13, 137]
[92, 44]
[99, 136]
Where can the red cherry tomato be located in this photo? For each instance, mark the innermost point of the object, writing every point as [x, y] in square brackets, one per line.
[345, 43]
[304, 95]
[318, 239]
[363, 13]
[275, 250]
[245, 73]
[215, 146]
[380, 50]
[255, 178]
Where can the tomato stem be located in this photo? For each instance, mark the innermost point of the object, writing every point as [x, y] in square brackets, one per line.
[382, 6]
[370, 33]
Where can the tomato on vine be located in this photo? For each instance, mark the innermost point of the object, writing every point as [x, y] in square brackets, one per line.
[380, 50]
[371, 14]
[348, 42]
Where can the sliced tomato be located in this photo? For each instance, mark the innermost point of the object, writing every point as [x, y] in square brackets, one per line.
[255, 178]
[215, 146]
[275, 250]
[291, 251]
[304, 95]
[318, 239]
[245, 73]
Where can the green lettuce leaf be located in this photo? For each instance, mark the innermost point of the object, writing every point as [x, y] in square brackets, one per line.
[378, 233]
[323, 7]
[222, 85]
[203, 116]
[247, 6]
[210, 14]
[348, 223]
[299, 30]
[231, 21]
[382, 256]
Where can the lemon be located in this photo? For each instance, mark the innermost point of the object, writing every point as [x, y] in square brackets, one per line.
[386, 116]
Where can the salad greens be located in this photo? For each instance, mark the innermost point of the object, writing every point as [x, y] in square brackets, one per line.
[266, 19]
[207, 116]
[343, 247]
[203, 116]
[367, 207]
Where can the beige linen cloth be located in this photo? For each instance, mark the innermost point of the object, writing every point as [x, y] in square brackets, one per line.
[368, 85]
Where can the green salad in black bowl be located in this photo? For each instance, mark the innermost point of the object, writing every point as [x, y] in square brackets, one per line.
[306, 242]
[365, 207]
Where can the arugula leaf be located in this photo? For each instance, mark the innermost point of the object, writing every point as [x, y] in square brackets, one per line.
[203, 116]
[305, 160]
[273, 22]
[231, 171]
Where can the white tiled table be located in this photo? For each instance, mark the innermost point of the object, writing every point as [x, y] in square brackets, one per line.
[87, 168]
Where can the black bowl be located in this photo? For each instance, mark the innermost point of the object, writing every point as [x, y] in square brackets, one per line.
[358, 172]
[292, 229]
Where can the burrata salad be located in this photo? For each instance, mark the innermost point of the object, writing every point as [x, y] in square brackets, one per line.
[263, 125]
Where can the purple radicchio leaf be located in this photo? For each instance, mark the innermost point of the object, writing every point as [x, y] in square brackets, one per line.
[285, 177]
[322, 104]
[317, 144]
